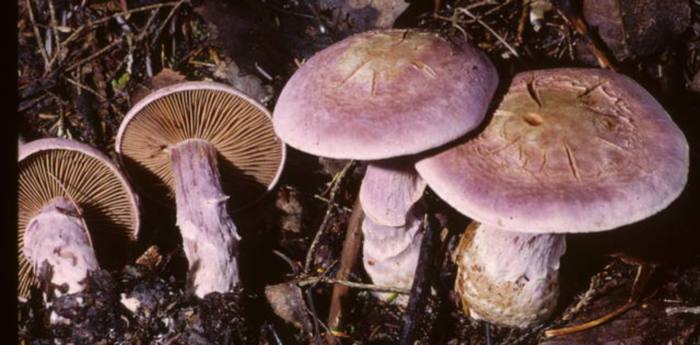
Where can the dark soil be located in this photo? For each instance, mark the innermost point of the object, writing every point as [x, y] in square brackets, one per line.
[86, 84]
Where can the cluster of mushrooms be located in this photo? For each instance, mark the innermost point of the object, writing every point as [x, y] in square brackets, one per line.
[197, 143]
[568, 150]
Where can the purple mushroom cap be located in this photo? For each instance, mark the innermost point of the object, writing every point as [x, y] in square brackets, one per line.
[567, 150]
[382, 94]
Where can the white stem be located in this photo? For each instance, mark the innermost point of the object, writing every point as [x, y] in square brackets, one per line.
[391, 241]
[209, 236]
[390, 254]
[389, 190]
[57, 236]
[509, 278]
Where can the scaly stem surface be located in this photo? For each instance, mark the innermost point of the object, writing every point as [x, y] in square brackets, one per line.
[209, 236]
[391, 229]
[509, 278]
[58, 237]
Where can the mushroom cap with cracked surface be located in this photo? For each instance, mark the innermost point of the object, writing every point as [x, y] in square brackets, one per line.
[382, 94]
[567, 150]
[52, 168]
[251, 156]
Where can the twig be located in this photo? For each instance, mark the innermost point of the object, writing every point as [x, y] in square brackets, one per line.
[590, 324]
[644, 272]
[278, 341]
[420, 290]
[95, 54]
[327, 280]
[348, 260]
[341, 207]
[566, 8]
[312, 310]
[491, 30]
[587, 296]
[78, 32]
[329, 211]
[94, 92]
[54, 24]
[155, 37]
[293, 265]
[24, 105]
[37, 35]
[683, 310]
[487, 332]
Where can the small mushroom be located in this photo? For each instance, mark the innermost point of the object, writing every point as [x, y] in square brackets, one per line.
[379, 95]
[567, 151]
[204, 141]
[71, 196]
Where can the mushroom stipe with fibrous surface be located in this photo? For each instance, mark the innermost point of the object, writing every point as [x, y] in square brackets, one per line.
[566, 151]
[383, 96]
[71, 197]
[215, 148]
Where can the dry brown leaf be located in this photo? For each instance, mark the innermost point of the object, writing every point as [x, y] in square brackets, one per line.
[287, 302]
[165, 77]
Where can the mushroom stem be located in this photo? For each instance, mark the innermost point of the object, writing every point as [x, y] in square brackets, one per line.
[508, 278]
[57, 236]
[391, 228]
[209, 236]
[390, 254]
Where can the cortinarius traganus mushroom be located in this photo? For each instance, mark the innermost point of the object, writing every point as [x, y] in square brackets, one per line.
[71, 197]
[379, 95]
[567, 151]
[205, 141]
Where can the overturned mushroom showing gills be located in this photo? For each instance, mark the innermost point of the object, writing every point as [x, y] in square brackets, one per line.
[71, 196]
[567, 151]
[204, 141]
[376, 96]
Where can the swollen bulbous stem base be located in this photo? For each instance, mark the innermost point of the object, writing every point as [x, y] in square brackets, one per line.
[209, 236]
[57, 237]
[508, 278]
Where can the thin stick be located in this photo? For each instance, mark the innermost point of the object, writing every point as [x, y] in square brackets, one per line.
[587, 296]
[327, 280]
[420, 290]
[329, 211]
[683, 310]
[492, 31]
[37, 35]
[341, 207]
[95, 55]
[77, 32]
[94, 92]
[54, 24]
[348, 259]
[644, 271]
[590, 324]
[165, 22]
[566, 8]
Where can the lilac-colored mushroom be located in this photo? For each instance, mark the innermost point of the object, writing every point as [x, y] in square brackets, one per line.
[205, 141]
[567, 151]
[379, 95]
[71, 196]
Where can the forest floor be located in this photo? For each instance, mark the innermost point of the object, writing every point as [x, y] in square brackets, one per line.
[82, 65]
